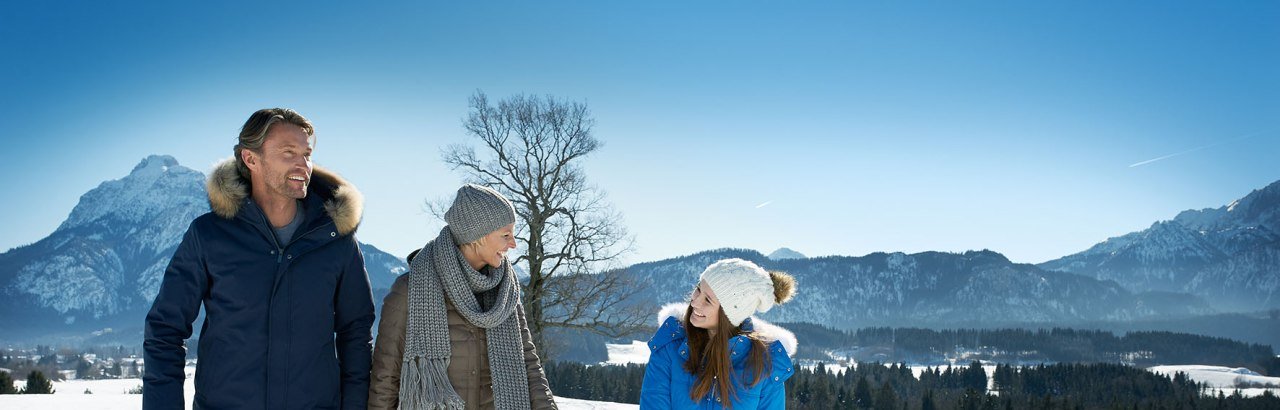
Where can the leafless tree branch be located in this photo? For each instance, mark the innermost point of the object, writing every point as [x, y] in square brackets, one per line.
[569, 236]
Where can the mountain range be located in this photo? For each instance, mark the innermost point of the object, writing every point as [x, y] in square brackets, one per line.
[1228, 256]
[974, 289]
[1207, 261]
[102, 266]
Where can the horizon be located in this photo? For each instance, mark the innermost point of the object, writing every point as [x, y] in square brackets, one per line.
[1032, 130]
[764, 252]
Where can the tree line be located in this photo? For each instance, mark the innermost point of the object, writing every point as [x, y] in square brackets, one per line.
[895, 387]
[36, 383]
[99, 362]
[1146, 348]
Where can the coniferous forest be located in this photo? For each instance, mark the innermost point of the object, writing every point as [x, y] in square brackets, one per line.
[1051, 368]
[879, 386]
[1023, 346]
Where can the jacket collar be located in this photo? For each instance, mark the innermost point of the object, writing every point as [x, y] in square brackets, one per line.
[342, 202]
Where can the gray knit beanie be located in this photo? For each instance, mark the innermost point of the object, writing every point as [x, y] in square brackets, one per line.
[476, 212]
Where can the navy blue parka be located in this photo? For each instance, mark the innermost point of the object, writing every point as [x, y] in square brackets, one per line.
[286, 326]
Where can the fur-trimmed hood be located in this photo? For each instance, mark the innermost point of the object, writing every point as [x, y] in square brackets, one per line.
[342, 202]
[768, 331]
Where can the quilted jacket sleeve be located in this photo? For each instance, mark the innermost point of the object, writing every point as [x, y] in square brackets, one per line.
[168, 324]
[388, 351]
[353, 320]
[655, 391]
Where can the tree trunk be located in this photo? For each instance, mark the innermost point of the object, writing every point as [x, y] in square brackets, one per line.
[533, 307]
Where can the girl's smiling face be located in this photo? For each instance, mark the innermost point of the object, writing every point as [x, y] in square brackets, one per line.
[706, 308]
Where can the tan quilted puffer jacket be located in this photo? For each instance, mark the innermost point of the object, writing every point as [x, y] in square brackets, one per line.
[468, 366]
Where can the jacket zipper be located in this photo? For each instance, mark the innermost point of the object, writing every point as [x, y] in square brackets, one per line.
[279, 259]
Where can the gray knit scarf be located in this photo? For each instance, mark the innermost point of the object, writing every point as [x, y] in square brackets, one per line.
[440, 271]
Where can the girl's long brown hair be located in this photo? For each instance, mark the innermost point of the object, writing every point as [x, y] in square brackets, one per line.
[709, 359]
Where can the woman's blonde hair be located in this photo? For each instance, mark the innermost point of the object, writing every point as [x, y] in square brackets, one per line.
[474, 245]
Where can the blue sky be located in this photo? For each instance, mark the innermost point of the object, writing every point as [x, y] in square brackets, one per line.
[864, 127]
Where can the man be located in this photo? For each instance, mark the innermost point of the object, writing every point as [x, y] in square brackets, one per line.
[279, 272]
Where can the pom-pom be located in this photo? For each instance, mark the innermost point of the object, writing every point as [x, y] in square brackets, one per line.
[784, 286]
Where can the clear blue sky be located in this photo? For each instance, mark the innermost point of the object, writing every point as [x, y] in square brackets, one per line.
[864, 127]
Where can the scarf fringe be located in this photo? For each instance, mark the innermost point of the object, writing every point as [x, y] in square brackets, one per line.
[424, 384]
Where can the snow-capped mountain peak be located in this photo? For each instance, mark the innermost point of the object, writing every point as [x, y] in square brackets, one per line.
[155, 184]
[1228, 254]
[786, 253]
[104, 264]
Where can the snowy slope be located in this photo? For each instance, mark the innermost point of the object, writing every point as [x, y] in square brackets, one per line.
[110, 395]
[635, 352]
[1223, 379]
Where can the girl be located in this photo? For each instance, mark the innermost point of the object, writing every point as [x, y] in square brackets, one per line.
[453, 334]
[712, 353]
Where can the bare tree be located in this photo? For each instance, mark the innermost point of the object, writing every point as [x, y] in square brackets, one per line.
[568, 236]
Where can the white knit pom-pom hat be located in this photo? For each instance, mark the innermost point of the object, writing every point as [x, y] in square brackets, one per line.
[743, 288]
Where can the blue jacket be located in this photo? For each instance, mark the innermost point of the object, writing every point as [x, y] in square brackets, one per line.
[667, 384]
[286, 327]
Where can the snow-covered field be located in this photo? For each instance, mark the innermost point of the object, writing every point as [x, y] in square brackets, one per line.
[111, 395]
[134, 402]
[1218, 378]
[1223, 379]
[636, 352]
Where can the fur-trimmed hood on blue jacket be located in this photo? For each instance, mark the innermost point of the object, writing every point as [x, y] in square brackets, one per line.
[671, 317]
[667, 385]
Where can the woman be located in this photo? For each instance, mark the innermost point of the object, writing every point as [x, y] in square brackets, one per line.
[712, 353]
[453, 334]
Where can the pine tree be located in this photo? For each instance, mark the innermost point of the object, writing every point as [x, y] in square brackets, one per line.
[799, 394]
[927, 403]
[971, 400]
[862, 394]
[1002, 380]
[6, 384]
[84, 370]
[886, 399]
[842, 396]
[37, 384]
[822, 397]
[975, 377]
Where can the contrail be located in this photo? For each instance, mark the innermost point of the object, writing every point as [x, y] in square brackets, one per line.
[1245, 136]
[766, 203]
[1138, 164]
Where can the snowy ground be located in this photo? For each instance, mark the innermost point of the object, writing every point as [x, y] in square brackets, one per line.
[636, 352]
[1223, 379]
[134, 402]
[1218, 378]
[110, 395]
